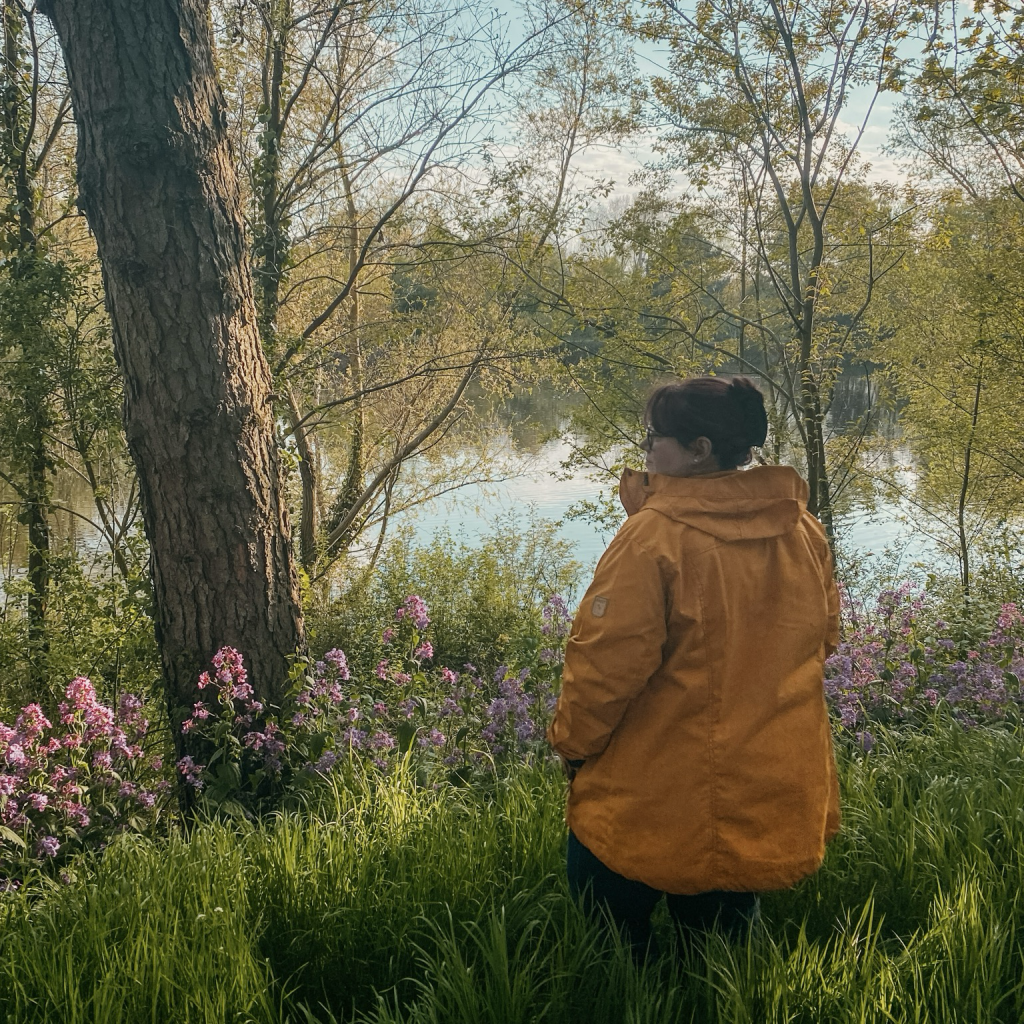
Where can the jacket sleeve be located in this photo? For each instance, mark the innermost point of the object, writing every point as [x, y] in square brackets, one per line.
[826, 567]
[614, 648]
[832, 593]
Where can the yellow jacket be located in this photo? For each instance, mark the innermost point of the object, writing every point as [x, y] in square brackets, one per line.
[693, 686]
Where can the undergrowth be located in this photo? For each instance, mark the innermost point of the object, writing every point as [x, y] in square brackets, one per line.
[387, 902]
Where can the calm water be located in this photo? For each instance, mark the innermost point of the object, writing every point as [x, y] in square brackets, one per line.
[474, 511]
[535, 485]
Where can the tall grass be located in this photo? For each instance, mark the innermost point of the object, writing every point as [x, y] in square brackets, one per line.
[392, 903]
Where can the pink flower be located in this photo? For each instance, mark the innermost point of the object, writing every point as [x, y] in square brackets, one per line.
[77, 814]
[381, 670]
[449, 677]
[38, 801]
[414, 608]
[387, 636]
[401, 678]
[32, 721]
[80, 693]
[424, 652]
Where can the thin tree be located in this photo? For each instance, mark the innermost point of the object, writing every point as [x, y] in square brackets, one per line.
[762, 90]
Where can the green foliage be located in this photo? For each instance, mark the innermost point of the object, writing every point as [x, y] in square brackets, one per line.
[485, 600]
[390, 903]
[950, 324]
[99, 624]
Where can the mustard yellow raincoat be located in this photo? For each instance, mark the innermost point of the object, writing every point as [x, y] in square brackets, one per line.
[693, 686]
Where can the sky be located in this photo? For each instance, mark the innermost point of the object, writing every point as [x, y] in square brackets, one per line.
[620, 163]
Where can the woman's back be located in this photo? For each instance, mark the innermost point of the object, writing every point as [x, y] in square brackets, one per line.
[693, 687]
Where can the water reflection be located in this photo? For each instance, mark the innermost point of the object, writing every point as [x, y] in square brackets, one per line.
[524, 431]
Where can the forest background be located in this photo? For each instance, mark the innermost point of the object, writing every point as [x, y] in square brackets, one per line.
[275, 273]
[429, 234]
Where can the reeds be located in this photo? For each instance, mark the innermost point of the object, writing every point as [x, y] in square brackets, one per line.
[389, 902]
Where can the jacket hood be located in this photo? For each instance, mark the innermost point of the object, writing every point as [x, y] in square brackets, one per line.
[765, 501]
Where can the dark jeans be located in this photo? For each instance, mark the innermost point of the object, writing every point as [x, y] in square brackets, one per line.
[630, 904]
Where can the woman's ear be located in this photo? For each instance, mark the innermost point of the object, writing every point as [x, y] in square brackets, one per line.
[700, 449]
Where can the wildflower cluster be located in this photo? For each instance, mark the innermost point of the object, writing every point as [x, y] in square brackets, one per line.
[246, 745]
[896, 665]
[70, 786]
[440, 719]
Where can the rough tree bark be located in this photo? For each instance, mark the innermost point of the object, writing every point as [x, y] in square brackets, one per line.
[157, 183]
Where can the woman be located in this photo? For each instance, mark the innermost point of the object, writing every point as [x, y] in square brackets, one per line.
[692, 713]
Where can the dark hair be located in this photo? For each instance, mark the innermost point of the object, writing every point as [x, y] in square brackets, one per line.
[729, 413]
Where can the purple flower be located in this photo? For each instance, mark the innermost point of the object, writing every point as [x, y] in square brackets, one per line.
[191, 771]
[354, 738]
[415, 609]
[866, 740]
[47, 846]
[339, 661]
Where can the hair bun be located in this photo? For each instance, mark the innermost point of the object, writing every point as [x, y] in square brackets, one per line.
[750, 402]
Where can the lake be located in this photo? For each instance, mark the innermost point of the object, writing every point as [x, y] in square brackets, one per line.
[540, 488]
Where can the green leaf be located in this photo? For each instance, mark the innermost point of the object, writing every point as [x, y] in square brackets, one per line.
[10, 836]
[407, 733]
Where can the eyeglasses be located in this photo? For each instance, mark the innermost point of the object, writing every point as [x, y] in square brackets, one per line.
[650, 436]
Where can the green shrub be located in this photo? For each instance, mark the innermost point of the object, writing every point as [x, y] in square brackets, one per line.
[485, 599]
[99, 624]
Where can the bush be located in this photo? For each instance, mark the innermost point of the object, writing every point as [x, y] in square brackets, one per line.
[407, 716]
[485, 600]
[71, 787]
[99, 624]
[897, 663]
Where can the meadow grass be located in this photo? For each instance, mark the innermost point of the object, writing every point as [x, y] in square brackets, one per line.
[394, 903]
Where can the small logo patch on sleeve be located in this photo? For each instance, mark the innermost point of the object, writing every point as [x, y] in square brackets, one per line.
[599, 607]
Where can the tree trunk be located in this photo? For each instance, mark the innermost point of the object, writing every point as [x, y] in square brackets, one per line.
[21, 249]
[965, 486]
[157, 183]
[37, 509]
